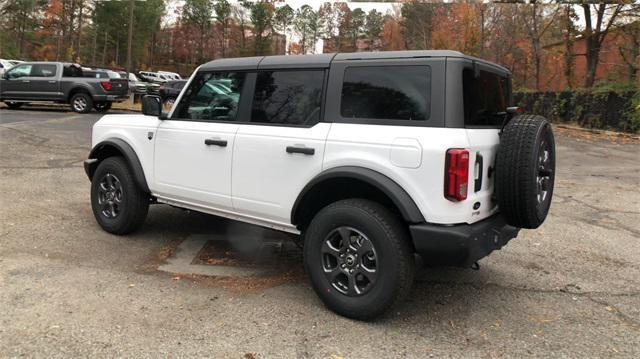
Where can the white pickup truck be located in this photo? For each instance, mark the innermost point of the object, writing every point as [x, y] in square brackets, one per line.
[370, 158]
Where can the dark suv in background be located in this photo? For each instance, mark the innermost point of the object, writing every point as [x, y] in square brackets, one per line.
[170, 90]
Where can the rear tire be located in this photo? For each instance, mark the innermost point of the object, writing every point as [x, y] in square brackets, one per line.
[118, 204]
[525, 171]
[367, 276]
[102, 106]
[81, 103]
[14, 105]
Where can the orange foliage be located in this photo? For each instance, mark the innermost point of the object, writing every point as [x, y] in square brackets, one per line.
[458, 28]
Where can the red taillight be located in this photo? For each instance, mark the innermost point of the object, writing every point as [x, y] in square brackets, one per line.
[106, 85]
[456, 177]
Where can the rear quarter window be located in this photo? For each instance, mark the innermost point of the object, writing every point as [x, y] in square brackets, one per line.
[386, 93]
[486, 97]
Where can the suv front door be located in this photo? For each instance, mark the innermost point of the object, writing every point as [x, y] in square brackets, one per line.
[16, 84]
[281, 149]
[193, 149]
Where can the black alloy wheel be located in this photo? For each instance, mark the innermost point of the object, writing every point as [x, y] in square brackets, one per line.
[349, 261]
[110, 194]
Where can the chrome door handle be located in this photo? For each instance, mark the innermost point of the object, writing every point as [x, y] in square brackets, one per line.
[52, 82]
[26, 81]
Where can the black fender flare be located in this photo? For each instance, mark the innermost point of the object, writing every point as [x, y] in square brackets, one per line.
[80, 88]
[96, 156]
[407, 207]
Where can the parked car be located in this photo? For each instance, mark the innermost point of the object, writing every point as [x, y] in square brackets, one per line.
[369, 158]
[62, 83]
[7, 64]
[170, 90]
[170, 75]
[153, 77]
[136, 86]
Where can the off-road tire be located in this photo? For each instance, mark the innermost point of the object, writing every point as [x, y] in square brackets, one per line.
[77, 99]
[135, 202]
[523, 140]
[394, 255]
[14, 105]
[102, 106]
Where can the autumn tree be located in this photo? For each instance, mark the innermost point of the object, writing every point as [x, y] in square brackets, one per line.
[20, 19]
[417, 24]
[261, 16]
[308, 25]
[356, 27]
[598, 18]
[240, 13]
[630, 52]
[373, 27]
[198, 13]
[537, 20]
[222, 10]
[344, 18]
[283, 19]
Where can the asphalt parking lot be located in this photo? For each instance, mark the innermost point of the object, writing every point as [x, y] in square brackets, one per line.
[569, 289]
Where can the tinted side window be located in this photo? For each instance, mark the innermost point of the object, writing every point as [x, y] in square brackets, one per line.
[71, 71]
[386, 93]
[41, 70]
[486, 98]
[19, 71]
[288, 97]
[206, 100]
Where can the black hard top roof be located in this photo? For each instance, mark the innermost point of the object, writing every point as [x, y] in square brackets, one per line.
[324, 60]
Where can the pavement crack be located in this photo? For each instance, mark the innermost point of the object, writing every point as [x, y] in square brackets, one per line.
[565, 290]
[594, 207]
[614, 309]
[39, 141]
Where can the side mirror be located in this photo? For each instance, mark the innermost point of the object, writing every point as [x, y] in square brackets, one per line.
[151, 105]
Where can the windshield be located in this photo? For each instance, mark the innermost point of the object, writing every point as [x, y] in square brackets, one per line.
[486, 97]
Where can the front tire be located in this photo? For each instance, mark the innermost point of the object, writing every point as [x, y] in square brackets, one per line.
[118, 204]
[359, 259]
[81, 103]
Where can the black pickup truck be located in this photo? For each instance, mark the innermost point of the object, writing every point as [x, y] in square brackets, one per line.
[62, 83]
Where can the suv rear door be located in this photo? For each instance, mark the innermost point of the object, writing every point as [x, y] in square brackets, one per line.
[485, 97]
[44, 82]
[281, 148]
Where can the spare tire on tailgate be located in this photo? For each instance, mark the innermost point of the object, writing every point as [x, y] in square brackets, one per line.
[525, 171]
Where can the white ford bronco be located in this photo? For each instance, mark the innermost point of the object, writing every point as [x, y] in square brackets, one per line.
[370, 158]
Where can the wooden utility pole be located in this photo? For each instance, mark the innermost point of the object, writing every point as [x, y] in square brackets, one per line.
[131, 3]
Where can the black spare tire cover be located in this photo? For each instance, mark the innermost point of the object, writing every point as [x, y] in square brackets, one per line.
[525, 171]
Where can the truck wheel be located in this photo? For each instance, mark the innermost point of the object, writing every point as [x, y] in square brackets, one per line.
[102, 106]
[81, 103]
[118, 204]
[358, 257]
[525, 171]
[14, 105]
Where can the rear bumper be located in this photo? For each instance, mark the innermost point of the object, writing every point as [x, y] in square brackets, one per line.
[462, 244]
